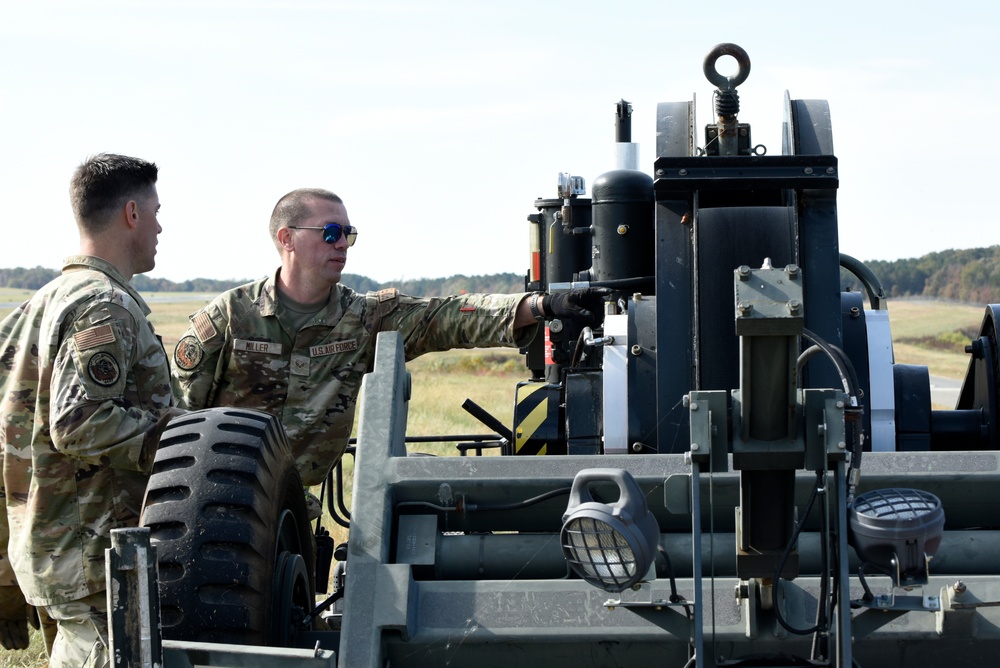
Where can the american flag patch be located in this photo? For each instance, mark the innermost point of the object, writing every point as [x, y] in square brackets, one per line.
[93, 337]
[203, 327]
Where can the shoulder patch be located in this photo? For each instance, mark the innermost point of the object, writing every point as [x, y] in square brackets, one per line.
[188, 353]
[387, 294]
[204, 327]
[103, 369]
[94, 337]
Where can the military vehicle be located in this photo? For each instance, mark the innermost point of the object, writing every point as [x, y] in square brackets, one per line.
[731, 470]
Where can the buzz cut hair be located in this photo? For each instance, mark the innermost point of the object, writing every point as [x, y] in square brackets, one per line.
[295, 207]
[104, 183]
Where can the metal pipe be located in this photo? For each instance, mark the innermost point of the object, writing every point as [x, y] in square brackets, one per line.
[539, 556]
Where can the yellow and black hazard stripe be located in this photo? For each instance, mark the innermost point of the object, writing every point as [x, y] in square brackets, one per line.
[537, 427]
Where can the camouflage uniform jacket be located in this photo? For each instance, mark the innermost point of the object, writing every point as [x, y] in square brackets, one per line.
[238, 353]
[85, 380]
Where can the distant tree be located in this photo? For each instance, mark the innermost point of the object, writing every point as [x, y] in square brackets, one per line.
[969, 275]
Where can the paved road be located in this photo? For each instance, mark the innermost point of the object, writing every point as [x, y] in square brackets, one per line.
[944, 391]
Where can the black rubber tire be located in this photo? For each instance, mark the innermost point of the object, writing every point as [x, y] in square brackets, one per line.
[224, 506]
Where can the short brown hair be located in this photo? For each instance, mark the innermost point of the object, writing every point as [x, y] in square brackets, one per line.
[105, 182]
[293, 208]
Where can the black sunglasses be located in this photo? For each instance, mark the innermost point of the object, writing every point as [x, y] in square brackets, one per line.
[332, 232]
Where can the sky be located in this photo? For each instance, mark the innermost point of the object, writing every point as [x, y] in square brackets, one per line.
[439, 122]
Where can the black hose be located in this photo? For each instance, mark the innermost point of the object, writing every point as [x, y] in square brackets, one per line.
[876, 295]
[784, 557]
[475, 507]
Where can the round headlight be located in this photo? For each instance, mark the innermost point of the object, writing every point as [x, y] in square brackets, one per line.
[611, 546]
[897, 530]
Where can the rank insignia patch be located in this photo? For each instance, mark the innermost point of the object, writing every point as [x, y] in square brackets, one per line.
[103, 369]
[188, 353]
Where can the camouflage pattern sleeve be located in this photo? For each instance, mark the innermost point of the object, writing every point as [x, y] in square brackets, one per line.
[458, 321]
[97, 362]
[197, 356]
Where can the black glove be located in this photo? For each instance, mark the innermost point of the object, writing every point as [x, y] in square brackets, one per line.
[581, 305]
[14, 613]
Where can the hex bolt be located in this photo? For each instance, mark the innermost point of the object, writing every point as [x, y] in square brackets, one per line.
[744, 272]
[637, 350]
[794, 306]
[841, 445]
[830, 170]
[745, 308]
[808, 170]
[959, 587]
[694, 447]
[694, 406]
[792, 270]
[682, 172]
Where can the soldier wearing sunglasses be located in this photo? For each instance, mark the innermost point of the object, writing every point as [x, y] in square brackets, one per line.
[297, 343]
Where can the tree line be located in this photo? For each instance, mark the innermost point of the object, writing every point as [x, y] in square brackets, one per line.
[36, 277]
[971, 276]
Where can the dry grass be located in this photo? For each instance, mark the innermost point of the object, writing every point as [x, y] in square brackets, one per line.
[934, 334]
[33, 657]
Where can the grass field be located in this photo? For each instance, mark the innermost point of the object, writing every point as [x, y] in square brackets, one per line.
[924, 332]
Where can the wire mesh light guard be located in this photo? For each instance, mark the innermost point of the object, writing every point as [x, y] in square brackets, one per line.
[611, 546]
[897, 530]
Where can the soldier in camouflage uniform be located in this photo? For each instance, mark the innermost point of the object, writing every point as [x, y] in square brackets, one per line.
[297, 344]
[86, 394]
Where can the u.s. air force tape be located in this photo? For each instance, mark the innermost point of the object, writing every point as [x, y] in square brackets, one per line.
[188, 353]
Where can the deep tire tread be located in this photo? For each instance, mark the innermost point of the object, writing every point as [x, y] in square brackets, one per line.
[220, 481]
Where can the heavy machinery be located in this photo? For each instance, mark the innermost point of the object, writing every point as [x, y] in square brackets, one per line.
[731, 471]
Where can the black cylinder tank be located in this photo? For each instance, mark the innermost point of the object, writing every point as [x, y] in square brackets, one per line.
[624, 233]
[564, 254]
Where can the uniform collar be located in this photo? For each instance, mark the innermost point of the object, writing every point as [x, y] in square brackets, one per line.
[78, 262]
[269, 303]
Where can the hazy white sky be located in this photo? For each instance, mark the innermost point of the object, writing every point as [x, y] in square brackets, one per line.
[440, 121]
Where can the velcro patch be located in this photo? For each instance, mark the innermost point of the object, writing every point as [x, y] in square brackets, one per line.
[188, 353]
[94, 337]
[204, 327]
[333, 348]
[266, 347]
[103, 369]
[387, 294]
